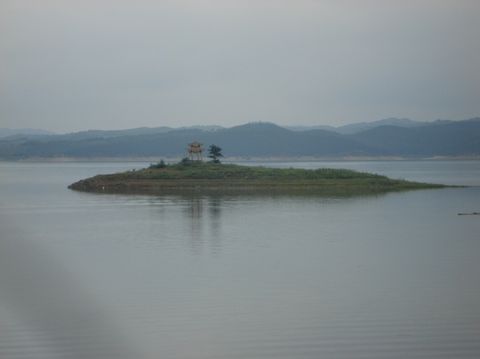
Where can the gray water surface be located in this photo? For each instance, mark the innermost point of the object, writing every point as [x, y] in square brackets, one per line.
[111, 276]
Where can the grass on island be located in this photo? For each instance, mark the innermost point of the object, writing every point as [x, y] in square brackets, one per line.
[193, 176]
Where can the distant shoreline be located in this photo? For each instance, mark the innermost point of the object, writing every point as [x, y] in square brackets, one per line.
[234, 159]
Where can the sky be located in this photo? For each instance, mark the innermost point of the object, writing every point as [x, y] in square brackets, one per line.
[68, 65]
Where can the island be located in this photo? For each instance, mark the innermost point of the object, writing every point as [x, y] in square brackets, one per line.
[209, 177]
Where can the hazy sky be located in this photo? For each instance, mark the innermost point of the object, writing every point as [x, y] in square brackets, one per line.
[76, 64]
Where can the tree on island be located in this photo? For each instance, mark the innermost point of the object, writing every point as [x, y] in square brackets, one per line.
[215, 152]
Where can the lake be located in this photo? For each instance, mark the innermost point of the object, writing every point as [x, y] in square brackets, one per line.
[127, 276]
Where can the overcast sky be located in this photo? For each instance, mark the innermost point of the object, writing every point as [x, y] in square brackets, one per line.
[69, 65]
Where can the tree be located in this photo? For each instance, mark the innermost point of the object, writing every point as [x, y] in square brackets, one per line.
[214, 152]
[160, 164]
[185, 161]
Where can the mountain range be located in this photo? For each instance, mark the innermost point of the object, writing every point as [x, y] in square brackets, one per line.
[362, 126]
[390, 137]
[9, 132]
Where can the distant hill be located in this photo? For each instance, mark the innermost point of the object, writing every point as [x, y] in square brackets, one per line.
[363, 126]
[99, 134]
[455, 138]
[6, 132]
[308, 128]
[443, 138]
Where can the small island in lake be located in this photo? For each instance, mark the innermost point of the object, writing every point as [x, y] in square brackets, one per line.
[211, 177]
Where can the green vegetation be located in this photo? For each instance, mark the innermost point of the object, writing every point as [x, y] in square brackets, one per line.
[160, 164]
[215, 177]
[215, 152]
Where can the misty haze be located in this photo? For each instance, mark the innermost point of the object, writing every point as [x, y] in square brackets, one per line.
[239, 179]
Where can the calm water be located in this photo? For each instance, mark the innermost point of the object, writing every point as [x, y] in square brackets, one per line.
[113, 276]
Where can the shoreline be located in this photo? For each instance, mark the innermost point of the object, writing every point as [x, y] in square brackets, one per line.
[232, 178]
[235, 159]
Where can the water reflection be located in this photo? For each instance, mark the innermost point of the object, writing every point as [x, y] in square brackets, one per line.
[204, 214]
[215, 206]
[194, 211]
[199, 220]
[203, 223]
